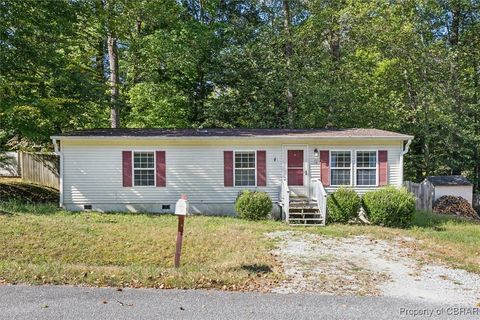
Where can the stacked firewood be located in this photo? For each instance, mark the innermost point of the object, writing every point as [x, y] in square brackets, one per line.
[455, 205]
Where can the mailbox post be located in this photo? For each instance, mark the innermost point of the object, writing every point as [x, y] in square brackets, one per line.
[181, 209]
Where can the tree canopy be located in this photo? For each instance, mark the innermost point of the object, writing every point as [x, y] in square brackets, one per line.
[408, 66]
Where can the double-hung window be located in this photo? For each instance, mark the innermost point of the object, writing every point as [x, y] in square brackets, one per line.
[143, 168]
[245, 168]
[341, 168]
[366, 168]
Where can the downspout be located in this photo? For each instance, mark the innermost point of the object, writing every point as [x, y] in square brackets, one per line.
[406, 147]
[58, 152]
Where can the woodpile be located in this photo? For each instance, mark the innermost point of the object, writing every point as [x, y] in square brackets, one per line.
[455, 205]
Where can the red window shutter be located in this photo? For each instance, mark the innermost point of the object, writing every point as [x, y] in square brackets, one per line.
[228, 168]
[127, 168]
[161, 169]
[382, 167]
[261, 168]
[325, 167]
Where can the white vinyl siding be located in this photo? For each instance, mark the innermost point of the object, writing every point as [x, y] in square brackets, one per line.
[465, 192]
[93, 174]
[93, 170]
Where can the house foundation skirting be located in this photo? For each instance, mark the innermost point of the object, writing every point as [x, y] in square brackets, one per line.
[214, 209]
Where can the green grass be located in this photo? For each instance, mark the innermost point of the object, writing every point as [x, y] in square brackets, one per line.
[43, 244]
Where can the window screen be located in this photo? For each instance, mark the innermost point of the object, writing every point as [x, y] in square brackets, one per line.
[245, 168]
[144, 168]
[366, 168]
[340, 172]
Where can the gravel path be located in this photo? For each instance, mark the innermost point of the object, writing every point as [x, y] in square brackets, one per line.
[366, 267]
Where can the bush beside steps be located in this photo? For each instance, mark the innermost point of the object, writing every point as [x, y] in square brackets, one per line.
[343, 205]
[389, 206]
[253, 205]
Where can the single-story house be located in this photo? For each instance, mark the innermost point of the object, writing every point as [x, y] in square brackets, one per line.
[148, 169]
[456, 185]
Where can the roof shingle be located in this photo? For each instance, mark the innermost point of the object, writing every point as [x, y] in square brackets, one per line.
[300, 133]
[449, 181]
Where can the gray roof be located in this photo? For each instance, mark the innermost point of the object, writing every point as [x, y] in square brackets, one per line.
[449, 181]
[247, 133]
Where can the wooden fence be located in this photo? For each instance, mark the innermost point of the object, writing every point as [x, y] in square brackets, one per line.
[423, 192]
[40, 168]
[476, 202]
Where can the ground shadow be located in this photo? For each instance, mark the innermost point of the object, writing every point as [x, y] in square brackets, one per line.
[256, 268]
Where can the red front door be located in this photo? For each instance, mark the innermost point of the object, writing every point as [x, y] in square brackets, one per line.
[295, 167]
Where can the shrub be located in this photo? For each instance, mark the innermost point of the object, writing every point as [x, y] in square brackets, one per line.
[253, 205]
[343, 205]
[390, 207]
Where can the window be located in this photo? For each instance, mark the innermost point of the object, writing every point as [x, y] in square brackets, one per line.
[143, 168]
[366, 168]
[341, 168]
[245, 168]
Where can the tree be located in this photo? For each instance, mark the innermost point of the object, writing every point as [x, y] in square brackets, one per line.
[409, 66]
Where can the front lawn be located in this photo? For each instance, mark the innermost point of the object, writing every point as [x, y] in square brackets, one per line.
[43, 244]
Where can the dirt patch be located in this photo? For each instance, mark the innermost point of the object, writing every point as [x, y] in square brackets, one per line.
[363, 266]
[12, 189]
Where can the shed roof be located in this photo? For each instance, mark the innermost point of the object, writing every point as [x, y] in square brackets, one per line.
[232, 133]
[449, 181]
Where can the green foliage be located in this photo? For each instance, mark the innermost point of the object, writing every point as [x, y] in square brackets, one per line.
[402, 66]
[390, 207]
[156, 105]
[343, 205]
[253, 205]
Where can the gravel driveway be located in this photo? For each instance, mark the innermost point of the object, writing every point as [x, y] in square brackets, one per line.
[366, 267]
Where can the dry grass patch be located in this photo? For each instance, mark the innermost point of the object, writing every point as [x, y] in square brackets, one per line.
[59, 247]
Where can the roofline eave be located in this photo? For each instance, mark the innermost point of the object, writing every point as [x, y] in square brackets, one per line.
[60, 137]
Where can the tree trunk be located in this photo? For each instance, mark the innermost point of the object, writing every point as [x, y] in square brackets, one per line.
[99, 61]
[455, 29]
[114, 80]
[476, 102]
[288, 56]
[136, 78]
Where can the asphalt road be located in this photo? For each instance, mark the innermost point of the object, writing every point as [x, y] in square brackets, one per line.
[65, 302]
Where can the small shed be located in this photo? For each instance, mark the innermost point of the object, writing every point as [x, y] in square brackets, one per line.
[457, 186]
[9, 164]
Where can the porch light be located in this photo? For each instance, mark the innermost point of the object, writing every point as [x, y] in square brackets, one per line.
[315, 152]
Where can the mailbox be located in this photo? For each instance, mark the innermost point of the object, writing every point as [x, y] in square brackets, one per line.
[181, 208]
